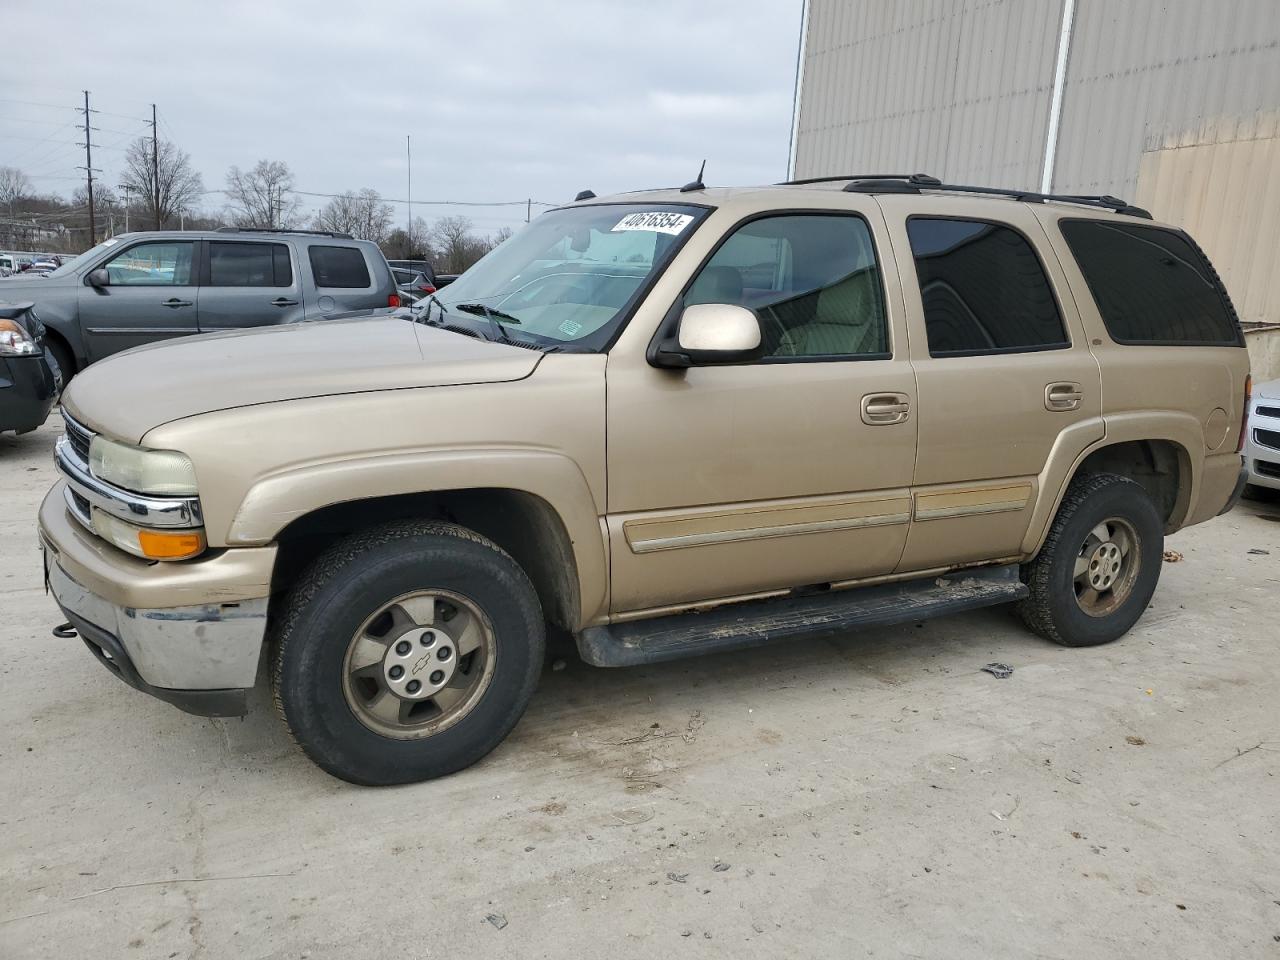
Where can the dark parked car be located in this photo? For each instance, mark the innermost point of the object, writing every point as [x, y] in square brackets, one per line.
[419, 266]
[412, 284]
[28, 381]
[141, 287]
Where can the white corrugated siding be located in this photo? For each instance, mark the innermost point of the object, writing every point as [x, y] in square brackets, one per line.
[1143, 69]
[961, 88]
[956, 89]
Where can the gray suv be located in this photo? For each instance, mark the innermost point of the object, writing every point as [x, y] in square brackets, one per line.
[138, 288]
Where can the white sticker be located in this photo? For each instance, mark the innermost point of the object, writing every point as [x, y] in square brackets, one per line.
[656, 221]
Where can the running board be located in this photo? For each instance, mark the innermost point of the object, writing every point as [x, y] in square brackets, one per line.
[756, 622]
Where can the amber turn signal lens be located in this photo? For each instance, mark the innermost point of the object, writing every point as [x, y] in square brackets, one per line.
[170, 545]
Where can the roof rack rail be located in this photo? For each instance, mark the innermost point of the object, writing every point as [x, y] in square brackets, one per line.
[859, 176]
[915, 182]
[309, 233]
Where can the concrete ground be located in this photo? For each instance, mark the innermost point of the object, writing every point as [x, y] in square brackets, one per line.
[875, 795]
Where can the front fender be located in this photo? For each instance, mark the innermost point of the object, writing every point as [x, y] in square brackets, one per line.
[277, 499]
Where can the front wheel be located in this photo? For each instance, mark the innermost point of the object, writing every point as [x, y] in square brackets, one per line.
[407, 653]
[1099, 565]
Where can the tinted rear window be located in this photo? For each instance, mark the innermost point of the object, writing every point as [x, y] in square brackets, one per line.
[339, 267]
[983, 289]
[1151, 285]
[249, 264]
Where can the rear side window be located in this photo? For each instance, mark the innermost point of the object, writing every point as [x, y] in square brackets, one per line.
[249, 264]
[983, 289]
[339, 267]
[1151, 285]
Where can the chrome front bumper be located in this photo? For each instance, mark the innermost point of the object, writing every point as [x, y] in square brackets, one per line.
[200, 658]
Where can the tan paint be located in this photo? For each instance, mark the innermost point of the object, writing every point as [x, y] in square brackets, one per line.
[761, 522]
[714, 484]
[378, 444]
[221, 576]
[782, 431]
[972, 502]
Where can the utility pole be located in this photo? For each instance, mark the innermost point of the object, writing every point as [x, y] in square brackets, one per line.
[408, 152]
[155, 166]
[88, 170]
[128, 202]
[528, 209]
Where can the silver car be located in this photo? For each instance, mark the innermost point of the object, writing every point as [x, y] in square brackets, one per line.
[1262, 437]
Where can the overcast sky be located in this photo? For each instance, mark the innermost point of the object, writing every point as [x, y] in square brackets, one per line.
[504, 99]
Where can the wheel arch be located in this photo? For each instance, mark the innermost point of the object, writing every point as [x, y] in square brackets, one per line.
[523, 524]
[1155, 451]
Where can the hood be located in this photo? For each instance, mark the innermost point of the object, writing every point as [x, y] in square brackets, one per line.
[27, 284]
[1269, 390]
[133, 392]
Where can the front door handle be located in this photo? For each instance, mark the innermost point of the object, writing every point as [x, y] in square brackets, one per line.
[1064, 395]
[880, 409]
[175, 302]
[282, 302]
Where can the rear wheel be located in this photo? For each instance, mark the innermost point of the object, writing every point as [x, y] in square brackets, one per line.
[1098, 568]
[407, 653]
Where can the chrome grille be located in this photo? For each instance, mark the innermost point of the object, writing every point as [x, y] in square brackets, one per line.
[1267, 438]
[1268, 412]
[79, 437]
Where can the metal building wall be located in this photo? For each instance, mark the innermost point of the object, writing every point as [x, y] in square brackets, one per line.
[956, 88]
[961, 88]
[1147, 69]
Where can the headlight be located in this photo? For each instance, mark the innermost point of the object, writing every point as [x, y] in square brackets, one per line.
[148, 544]
[15, 341]
[160, 472]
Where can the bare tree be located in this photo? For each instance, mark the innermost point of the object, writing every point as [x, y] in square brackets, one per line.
[105, 207]
[263, 196]
[363, 215]
[180, 185]
[14, 185]
[411, 244]
[456, 247]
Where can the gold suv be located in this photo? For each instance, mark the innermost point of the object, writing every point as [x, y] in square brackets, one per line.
[668, 422]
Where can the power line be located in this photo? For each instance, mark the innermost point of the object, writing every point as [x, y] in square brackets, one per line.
[33, 103]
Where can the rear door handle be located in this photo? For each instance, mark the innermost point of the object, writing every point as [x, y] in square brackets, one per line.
[1064, 395]
[880, 409]
[282, 302]
[175, 302]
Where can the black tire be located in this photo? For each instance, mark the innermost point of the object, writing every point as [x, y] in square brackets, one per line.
[62, 357]
[350, 581]
[1052, 610]
[1260, 494]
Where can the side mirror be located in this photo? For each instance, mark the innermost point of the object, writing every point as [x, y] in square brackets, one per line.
[99, 278]
[711, 333]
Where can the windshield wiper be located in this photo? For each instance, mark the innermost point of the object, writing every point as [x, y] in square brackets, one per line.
[486, 311]
[433, 299]
[493, 316]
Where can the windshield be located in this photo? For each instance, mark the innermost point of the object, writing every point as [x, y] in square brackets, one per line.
[69, 266]
[569, 278]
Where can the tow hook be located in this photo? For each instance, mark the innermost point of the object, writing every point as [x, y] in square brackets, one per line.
[65, 631]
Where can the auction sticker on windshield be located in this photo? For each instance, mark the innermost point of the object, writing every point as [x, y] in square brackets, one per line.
[656, 221]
